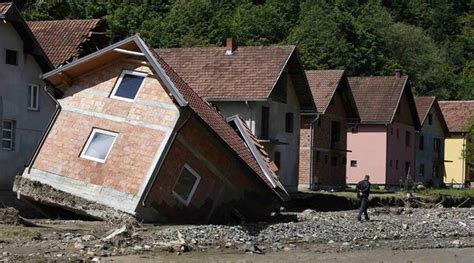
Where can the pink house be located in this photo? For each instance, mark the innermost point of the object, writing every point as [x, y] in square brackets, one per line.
[383, 144]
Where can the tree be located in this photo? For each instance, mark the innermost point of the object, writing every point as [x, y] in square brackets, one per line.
[469, 153]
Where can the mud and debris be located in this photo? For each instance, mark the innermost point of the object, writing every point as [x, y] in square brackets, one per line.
[389, 228]
[47, 195]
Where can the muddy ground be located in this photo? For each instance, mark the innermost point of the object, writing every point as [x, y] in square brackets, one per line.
[302, 235]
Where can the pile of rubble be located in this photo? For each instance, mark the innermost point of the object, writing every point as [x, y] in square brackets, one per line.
[389, 228]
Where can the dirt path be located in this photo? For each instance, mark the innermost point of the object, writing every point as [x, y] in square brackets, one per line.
[446, 255]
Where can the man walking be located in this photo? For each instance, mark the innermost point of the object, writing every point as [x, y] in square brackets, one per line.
[363, 191]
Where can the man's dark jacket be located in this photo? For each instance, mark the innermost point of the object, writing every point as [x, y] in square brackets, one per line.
[363, 189]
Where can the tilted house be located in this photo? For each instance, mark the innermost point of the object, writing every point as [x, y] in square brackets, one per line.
[430, 142]
[67, 40]
[130, 134]
[25, 106]
[382, 145]
[457, 115]
[264, 85]
[323, 147]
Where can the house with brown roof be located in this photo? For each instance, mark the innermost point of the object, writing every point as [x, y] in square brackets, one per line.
[25, 106]
[67, 40]
[323, 141]
[429, 142]
[458, 115]
[264, 85]
[130, 135]
[383, 144]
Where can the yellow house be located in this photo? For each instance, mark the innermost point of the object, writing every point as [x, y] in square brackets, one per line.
[457, 115]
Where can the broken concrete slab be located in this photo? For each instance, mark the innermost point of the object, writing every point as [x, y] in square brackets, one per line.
[45, 194]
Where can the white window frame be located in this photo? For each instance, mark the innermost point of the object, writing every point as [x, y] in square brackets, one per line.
[193, 190]
[89, 140]
[12, 138]
[31, 101]
[117, 85]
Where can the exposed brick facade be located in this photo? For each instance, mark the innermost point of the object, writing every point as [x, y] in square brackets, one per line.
[87, 105]
[329, 162]
[226, 185]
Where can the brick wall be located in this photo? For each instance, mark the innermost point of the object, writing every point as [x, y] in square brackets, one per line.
[226, 184]
[326, 175]
[141, 127]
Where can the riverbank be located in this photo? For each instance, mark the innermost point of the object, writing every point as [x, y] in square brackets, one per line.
[330, 232]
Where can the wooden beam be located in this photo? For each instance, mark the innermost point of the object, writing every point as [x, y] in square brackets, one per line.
[128, 52]
[65, 78]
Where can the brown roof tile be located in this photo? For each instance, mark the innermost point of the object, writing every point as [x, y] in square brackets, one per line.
[4, 7]
[323, 84]
[457, 114]
[423, 106]
[249, 73]
[215, 121]
[61, 39]
[377, 97]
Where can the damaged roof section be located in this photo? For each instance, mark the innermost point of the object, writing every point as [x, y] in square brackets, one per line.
[67, 40]
[267, 166]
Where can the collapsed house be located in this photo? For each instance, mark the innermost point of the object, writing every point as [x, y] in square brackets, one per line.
[129, 134]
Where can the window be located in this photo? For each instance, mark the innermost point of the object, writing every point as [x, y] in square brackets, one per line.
[289, 122]
[430, 119]
[407, 168]
[98, 145]
[335, 133]
[326, 158]
[317, 156]
[33, 97]
[421, 172]
[396, 164]
[391, 163]
[128, 85]
[186, 185]
[436, 145]
[344, 160]
[11, 57]
[407, 138]
[422, 142]
[8, 135]
[391, 131]
[277, 159]
[353, 163]
[265, 123]
[398, 133]
[333, 161]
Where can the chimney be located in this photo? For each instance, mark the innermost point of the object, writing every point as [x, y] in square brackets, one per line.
[231, 46]
[398, 73]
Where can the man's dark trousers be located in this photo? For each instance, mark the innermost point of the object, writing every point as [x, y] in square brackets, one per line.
[364, 203]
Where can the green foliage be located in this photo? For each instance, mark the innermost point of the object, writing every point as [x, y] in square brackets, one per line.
[432, 41]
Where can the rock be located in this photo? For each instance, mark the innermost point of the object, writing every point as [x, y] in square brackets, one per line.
[228, 244]
[119, 231]
[254, 249]
[331, 242]
[87, 238]
[79, 245]
[456, 243]
[462, 224]
[346, 244]
[404, 226]
[5, 254]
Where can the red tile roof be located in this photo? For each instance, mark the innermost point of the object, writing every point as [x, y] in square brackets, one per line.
[62, 39]
[377, 97]
[215, 121]
[423, 106]
[323, 84]
[4, 7]
[457, 114]
[249, 73]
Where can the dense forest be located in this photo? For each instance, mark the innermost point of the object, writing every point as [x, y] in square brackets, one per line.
[432, 41]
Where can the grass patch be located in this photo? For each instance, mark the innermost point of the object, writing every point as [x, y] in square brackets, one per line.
[10, 232]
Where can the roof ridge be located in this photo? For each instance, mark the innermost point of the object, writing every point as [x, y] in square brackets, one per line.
[64, 20]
